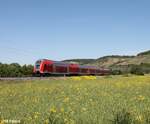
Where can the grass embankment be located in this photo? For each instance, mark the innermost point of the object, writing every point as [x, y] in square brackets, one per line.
[77, 100]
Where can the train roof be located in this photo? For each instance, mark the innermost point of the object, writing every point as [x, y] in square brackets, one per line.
[58, 61]
[43, 60]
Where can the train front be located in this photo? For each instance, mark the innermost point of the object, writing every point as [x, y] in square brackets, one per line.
[37, 67]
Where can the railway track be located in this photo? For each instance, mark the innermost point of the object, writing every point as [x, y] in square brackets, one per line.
[30, 78]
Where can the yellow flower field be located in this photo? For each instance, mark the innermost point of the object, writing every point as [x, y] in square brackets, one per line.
[76, 100]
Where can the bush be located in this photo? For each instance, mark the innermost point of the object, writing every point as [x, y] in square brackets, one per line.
[116, 72]
[137, 70]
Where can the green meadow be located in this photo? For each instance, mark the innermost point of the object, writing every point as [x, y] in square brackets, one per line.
[77, 100]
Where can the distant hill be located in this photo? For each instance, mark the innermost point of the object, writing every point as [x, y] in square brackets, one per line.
[115, 60]
[144, 53]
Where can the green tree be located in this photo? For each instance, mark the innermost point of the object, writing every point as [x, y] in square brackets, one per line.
[15, 70]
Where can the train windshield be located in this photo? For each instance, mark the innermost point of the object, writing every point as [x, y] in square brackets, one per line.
[37, 64]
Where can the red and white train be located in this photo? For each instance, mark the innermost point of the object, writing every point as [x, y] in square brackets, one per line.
[48, 67]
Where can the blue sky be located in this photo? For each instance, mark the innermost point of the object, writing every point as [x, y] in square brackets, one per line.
[66, 29]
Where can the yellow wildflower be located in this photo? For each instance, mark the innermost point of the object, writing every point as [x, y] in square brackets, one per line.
[53, 110]
[65, 120]
[76, 78]
[89, 77]
[35, 116]
[139, 118]
[141, 98]
[46, 121]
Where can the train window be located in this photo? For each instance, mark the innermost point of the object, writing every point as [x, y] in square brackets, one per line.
[49, 65]
[37, 66]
